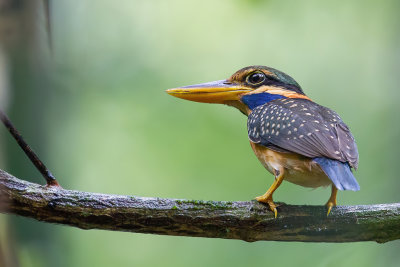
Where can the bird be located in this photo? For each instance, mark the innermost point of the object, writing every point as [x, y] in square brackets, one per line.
[294, 138]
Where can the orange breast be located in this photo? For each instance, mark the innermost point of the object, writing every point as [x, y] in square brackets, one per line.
[297, 168]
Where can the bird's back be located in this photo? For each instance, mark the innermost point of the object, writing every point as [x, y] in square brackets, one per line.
[302, 127]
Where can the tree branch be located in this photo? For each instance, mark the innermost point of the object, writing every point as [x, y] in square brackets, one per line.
[249, 221]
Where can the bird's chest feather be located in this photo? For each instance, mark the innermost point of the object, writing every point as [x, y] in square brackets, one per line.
[298, 169]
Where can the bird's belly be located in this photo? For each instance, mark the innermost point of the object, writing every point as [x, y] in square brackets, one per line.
[298, 169]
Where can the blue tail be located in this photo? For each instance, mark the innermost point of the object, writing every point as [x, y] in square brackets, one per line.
[339, 172]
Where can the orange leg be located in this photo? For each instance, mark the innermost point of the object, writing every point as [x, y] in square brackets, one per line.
[267, 197]
[332, 200]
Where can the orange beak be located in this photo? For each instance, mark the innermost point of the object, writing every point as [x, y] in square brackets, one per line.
[212, 92]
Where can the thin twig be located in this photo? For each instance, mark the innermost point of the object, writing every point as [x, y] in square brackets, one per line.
[47, 13]
[47, 175]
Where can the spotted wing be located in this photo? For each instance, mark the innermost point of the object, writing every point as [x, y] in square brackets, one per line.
[303, 127]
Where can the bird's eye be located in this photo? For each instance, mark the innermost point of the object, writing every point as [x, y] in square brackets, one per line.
[256, 78]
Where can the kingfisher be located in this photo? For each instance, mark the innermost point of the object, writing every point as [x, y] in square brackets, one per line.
[294, 138]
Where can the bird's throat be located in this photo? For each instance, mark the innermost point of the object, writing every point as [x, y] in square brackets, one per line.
[255, 100]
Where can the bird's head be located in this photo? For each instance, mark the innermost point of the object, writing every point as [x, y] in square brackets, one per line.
[245, 89]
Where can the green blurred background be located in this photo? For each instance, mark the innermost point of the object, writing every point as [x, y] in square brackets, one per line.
[94, 108]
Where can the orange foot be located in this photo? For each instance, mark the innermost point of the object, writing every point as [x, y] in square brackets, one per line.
[332, 200]
[330, 205]
[271, 204]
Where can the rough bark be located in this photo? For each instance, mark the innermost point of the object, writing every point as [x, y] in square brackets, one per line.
[248, 221]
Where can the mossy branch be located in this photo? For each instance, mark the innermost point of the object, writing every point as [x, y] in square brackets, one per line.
[249, 221]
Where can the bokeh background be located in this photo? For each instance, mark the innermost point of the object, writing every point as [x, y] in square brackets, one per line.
[94, 108]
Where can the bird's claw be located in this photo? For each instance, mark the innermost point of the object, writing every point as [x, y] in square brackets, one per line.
[330, 205]
[332, 200]
[271, 204]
